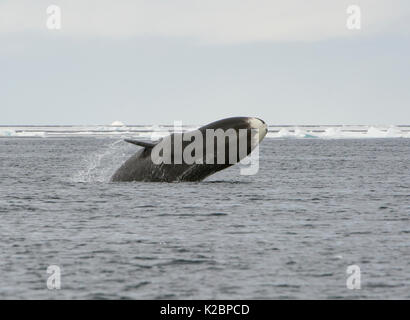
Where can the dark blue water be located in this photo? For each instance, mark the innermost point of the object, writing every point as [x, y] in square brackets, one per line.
[314, 208]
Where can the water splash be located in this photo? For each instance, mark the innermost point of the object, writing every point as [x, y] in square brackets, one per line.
[100, 165]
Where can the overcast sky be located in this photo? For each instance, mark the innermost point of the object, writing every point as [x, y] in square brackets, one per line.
[156, 61]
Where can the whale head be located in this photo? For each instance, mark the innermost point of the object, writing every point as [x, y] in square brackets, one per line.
[225, 141]
[237, 123]
[247, 130]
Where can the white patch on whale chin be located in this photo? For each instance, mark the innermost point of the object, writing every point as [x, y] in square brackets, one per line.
[255, 123]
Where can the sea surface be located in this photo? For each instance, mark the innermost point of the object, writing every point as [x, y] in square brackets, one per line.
[321, 201]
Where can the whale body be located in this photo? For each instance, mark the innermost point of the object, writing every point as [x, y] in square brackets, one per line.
[185, 163]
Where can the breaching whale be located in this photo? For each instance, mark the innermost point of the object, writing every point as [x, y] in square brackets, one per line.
[193, 155]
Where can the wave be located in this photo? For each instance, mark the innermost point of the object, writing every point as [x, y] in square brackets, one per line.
[340, 132]
[155, 131]
[100, 165]
[14, 133]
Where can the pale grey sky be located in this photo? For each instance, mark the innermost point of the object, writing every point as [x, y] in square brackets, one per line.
[156, 61]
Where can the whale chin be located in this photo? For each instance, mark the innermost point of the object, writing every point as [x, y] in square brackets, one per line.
[259, 124]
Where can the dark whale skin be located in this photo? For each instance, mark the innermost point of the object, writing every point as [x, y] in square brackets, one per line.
[141, 168]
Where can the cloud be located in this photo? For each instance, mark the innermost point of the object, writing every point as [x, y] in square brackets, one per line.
[208, 21]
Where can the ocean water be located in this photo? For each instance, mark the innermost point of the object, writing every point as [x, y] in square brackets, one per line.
[316, 206]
